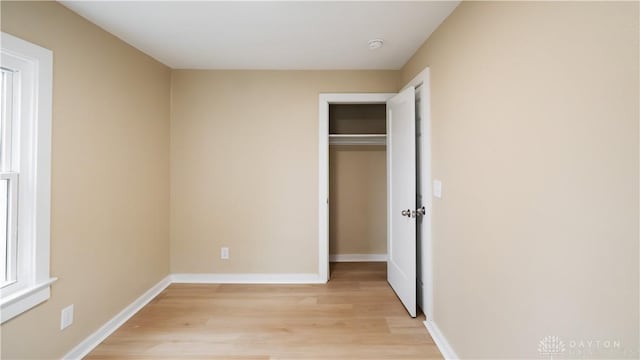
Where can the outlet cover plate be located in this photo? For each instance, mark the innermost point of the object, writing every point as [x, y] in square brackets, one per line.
[66, 317]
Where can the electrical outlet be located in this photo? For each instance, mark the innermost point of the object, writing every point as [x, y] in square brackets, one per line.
[224, 253]
[66, 317]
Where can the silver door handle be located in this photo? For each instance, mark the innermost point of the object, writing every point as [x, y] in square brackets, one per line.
[414, 213]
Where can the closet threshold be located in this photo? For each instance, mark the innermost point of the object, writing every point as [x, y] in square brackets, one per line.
[357, 139]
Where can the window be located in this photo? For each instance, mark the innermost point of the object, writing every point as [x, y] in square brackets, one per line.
[8, 184]
[25, 175]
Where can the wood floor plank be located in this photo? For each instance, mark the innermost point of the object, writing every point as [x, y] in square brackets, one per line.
[354, 316]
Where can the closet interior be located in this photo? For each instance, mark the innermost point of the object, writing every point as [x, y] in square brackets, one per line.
[357, 182]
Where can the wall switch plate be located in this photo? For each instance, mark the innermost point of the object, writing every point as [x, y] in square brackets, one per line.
[66, 317]
[437, 189]
[224, 253]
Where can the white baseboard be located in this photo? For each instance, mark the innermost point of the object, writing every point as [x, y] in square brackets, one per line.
[93, 340]
[441, 342]
[358, 257]
[247, 279]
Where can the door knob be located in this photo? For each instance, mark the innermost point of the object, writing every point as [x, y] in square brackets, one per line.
[414, 213]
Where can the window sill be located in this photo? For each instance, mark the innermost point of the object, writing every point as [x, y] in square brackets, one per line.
[15, 304]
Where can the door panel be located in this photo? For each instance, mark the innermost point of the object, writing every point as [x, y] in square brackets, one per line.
[401, 201]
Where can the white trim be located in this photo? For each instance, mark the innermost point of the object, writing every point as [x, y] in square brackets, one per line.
[425, 274]
[21, 295]
[247, 278]
[441, 342]
[87, 345]
[358, 257]
[24, 300]
[34, 107]
[323, 186]
[323, 165]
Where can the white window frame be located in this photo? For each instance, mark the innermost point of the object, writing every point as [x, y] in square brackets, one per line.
[31, 128]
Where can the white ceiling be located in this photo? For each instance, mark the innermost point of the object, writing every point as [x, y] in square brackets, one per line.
[270, 35]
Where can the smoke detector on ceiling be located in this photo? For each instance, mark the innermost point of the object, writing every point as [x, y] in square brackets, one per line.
[375, 44]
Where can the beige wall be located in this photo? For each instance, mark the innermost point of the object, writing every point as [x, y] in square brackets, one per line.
[535, 138]
[357, 200]
[244, 166]
[110, 169]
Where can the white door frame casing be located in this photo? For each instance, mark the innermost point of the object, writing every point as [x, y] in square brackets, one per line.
[323, 165]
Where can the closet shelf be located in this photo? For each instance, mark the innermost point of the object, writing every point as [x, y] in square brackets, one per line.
[357, 139]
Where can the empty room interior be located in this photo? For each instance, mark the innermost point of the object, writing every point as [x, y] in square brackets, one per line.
[320, 180]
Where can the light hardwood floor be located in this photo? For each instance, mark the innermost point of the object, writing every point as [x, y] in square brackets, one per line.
[354, 316]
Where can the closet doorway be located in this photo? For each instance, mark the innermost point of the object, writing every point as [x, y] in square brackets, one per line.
[357, 183]
[325, 101]
[407, 145]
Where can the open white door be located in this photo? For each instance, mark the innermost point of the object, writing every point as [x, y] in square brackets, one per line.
[401, 197]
